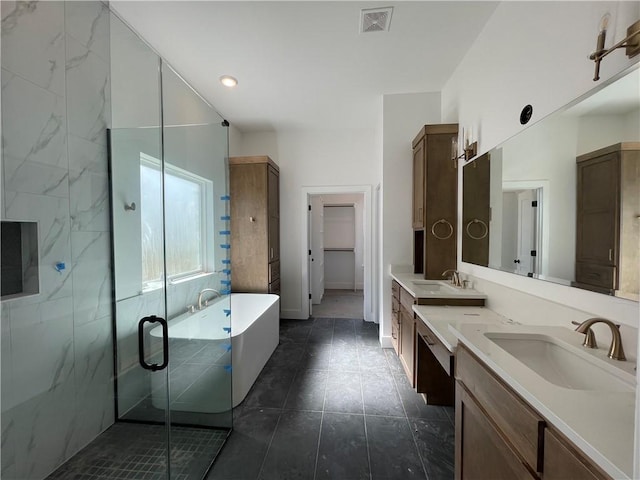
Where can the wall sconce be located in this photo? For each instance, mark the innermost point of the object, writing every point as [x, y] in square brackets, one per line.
[469, 150]
[631, 43]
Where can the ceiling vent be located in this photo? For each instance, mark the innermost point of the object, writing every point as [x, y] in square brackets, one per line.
[375, 19]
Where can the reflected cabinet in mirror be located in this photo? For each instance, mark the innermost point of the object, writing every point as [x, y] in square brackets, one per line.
[560, 201]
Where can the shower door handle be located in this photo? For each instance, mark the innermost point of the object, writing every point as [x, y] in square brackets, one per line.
[154, 367]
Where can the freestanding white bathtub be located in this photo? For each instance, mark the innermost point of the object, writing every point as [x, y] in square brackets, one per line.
[254, 320]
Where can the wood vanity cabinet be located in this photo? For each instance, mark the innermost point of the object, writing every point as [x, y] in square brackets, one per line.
[500, 436]
[607, 227]
[435, 197]
[407, 337]
[434, 368]
[395, 316]
[255, 224]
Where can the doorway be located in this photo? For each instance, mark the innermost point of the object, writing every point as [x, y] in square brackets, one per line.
[337, 262]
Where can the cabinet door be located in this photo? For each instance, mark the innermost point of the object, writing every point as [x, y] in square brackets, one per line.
[274, 215]
[481, 452]
[249, 229]
[418, 185]
[597, 216]
[561, 461]
[407, 341]
[441, 202]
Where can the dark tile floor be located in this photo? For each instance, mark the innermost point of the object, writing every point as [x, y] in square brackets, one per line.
[331, 404]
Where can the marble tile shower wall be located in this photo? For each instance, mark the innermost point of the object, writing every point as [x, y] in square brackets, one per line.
[57, 345]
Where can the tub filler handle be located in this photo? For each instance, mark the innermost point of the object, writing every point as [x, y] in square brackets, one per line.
[154, 367]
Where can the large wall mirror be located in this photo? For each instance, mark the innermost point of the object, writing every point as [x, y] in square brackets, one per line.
[560, 200]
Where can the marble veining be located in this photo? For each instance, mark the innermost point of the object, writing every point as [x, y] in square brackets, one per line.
[33, 42]
[89, 201]
[91, 276]
[31, 177]
[88, 23]
[88, 97]
[33, 123]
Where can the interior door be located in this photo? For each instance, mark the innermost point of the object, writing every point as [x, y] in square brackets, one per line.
[526, 232]
[317, 249]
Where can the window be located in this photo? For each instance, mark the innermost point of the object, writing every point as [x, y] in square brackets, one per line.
[188, 204]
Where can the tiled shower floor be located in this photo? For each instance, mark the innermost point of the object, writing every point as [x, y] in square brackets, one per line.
[137, 451]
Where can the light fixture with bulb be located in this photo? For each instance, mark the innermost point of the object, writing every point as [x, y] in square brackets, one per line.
[469, 150]
[631, 43]
[228, 81]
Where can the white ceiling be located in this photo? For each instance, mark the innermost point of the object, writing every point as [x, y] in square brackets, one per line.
[303, 64]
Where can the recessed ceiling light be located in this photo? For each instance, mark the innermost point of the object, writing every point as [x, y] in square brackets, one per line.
[228, 81]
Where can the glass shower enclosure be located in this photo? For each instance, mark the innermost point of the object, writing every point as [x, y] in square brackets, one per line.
[170, 242]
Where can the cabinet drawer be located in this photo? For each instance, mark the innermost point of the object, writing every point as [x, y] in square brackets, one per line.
[274, 287]
[274, 271]
[519, 423]
[597, 275]
[395, 290]
[442, 354]
[407, 300]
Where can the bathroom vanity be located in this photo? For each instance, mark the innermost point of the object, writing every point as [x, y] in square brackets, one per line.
[427, 363]
[532, 403]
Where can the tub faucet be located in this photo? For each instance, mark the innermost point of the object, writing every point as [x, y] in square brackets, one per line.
[206, 302]
[455, 277]
[615, 350]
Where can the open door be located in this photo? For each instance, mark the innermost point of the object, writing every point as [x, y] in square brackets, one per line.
[316, 266]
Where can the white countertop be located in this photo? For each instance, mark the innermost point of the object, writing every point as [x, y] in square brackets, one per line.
[418, 287]
[600, 423]
[439, 318]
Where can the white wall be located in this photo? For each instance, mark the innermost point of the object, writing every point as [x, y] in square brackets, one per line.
[312, 159]
[517, 73]
[403, 117]
[536, 53]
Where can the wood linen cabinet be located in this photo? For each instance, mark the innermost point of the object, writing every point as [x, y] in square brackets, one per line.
[255, 224]
[435, 200]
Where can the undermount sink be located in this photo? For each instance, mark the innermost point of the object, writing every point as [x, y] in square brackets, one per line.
[558, 363]
[433, 286]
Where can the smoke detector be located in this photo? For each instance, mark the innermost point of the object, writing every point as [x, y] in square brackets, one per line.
[375, 19]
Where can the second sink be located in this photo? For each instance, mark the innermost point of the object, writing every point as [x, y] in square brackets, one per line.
[558, 363]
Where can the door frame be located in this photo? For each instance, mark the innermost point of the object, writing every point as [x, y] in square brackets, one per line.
[542, 217]
[368, 260]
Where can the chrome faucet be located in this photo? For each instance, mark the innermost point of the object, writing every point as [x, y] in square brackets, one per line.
[454, 278]
[206, 302]
[615, 350]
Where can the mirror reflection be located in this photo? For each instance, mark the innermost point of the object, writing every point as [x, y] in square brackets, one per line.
[559, 201]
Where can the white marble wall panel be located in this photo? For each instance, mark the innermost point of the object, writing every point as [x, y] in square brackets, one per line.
[42, 348]
[8, 456]
[32, 177]
[7, 399]
[44, 431]
[91, 274]
[94, 379]
[88, 23]
[88, 93]
[52, 215]
[87, 156]
[33, 122]
[89, 201]
[33, 42]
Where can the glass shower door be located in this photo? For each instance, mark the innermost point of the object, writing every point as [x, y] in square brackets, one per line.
[197, 233]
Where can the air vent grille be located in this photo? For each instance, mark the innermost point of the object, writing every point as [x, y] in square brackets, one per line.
[375, 20]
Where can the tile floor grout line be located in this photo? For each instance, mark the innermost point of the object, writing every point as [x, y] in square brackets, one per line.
[266, 453]
[324, 401]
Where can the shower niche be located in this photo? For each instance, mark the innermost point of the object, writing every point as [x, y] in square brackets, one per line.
[19, 265]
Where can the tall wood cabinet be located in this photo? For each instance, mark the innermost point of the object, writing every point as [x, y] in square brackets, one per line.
[435, 200]
[608, 199]
[255, 224]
